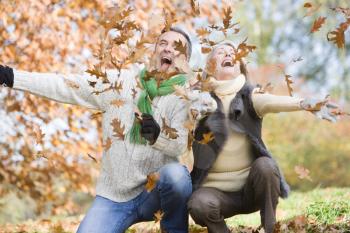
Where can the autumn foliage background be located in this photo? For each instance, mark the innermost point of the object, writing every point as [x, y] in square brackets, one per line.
[50, 152]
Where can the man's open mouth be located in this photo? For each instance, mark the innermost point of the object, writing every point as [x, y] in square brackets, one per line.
[227, 63]
[166, 60]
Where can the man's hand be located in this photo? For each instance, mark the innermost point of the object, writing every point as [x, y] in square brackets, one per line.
[150, 129]
[320, 108]
[6, 76]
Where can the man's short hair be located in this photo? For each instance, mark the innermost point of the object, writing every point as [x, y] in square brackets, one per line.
[182, 32]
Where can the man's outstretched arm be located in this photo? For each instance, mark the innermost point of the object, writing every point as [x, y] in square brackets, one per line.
[70, 89]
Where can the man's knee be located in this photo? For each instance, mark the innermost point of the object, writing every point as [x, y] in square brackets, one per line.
[176, 177]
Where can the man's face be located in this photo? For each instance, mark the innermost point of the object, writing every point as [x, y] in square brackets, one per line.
[223, 58]
[165, 54]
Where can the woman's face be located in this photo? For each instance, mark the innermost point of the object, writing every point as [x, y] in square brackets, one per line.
[221, 63]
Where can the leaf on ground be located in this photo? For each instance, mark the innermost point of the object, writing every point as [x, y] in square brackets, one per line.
[152, 180]
[170, 132]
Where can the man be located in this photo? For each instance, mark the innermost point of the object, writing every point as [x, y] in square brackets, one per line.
[121, 199]
[235, 173]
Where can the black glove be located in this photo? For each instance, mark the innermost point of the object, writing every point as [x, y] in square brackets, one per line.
[6, 76]
[150, 129]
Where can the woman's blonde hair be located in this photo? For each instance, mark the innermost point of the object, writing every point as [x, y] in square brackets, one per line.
[242, 65]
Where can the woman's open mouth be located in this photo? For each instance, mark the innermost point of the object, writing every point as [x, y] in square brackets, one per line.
[227, 63]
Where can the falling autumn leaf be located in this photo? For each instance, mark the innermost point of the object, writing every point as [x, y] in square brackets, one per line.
[152, 180]
[71, 84]
[39, 136]
[202, 32]
[118, 87]
[337, 36]
[169, 19]
[227, 17]
[93, 158]
[312, 9]
[195, 8]
[289, 82]
[158, 216]
[134, 93]
[206, 50]
[180, 91]
[118, 129]
[211, 67]
[243, 50]
[96, 115]
[118, 102]
[265, 89]
[345, 11]
[170, 132]
[108, 144]
[302, 172]
[307, 5]
[207, 137]
[98, 73]
[92, 84]
[297, 59]
[182, 48]
[318, 24]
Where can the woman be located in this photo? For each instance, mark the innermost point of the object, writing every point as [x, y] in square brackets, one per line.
[235, 173]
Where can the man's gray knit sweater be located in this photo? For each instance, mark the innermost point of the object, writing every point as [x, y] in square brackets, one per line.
[125, 166]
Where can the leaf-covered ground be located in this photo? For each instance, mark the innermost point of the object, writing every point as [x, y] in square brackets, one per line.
[321, 210]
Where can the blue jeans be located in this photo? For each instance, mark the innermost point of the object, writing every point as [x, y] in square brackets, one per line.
[170, 195]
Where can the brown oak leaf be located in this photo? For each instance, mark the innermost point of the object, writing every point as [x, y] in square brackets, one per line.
[207, 137]
[318, 24]
[152, 180]
[170, 132]
[118, 129]
[118, 102]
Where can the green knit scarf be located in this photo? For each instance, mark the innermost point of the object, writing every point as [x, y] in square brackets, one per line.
[144, 103]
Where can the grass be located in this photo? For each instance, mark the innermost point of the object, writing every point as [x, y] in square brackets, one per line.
[322, 208]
